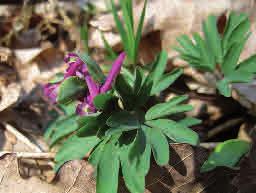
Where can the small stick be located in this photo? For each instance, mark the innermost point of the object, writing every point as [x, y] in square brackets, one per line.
[210, 145]
[29, 155]
[224, 127]
[22, 138]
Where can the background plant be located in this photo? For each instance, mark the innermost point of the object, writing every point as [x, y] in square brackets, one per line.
[219, 53]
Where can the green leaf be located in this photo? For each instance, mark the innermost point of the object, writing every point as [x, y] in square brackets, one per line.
[189, 121]
[57, 78]
[138, 146]
[121, 29]
[240, 76]
[115, 130]
[232, 57]
[206, 58]
[175, 131]
[224, 87]
[235, 30]
[72, 150]
[129, 77]
[139, 80]
[123, 119]
[85, 36]
[111, 53]
[248, 65]
[95, 156]
[89, 126]
[139, 30]
[93, 68]
[144, 93]
[226, 154]
[188, 47]
[168, 108]
[213, 38]
[134, 179]
[71, 89]
[108, 170]
[159, 144]
[128, 25]
[101, 101]
[125, 91]
[159, 66]
[166, 81]
[70, 108]
[61, 128]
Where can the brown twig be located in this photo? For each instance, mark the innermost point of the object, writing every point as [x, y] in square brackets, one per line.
[22, 137]
[29, 155]
[210, 145]
[224, 127]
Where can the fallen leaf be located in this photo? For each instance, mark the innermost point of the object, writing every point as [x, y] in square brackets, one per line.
[181, 175]
[74, 177]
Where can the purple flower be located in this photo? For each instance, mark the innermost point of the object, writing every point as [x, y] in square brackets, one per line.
[115, 70]
[87, 106]
[76, 67]
[50, 90]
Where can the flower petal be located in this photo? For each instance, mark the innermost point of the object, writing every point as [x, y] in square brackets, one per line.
[51, 91]
[69, 56]
[92, 86]
[85, 107]
[115, 70]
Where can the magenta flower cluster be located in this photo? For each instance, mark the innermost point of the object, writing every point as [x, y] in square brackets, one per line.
[76, 67]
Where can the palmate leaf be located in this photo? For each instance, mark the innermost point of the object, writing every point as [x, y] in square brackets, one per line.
[139, 80]
[248, 65]
[226, 154]
[159, 66]
[189, 121]
[212, 38]
[158, 143]
[175, 131]
[232, 57]
[134, 179]
[95, 156]
[138, 146]
[124, 119]
[108, 169]
[60, 128]
[166, 81]
[102, 101]
[88, 126]
[224, 50]
[72, 150]
[236, 29]
[125, 91]
[168, 108]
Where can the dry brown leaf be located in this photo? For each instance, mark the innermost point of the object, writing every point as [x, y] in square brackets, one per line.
[74, 177]
[38, 65]
[175, 18]
[181, 176]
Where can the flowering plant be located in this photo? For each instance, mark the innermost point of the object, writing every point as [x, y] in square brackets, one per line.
[112, 118]
[115, 124]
